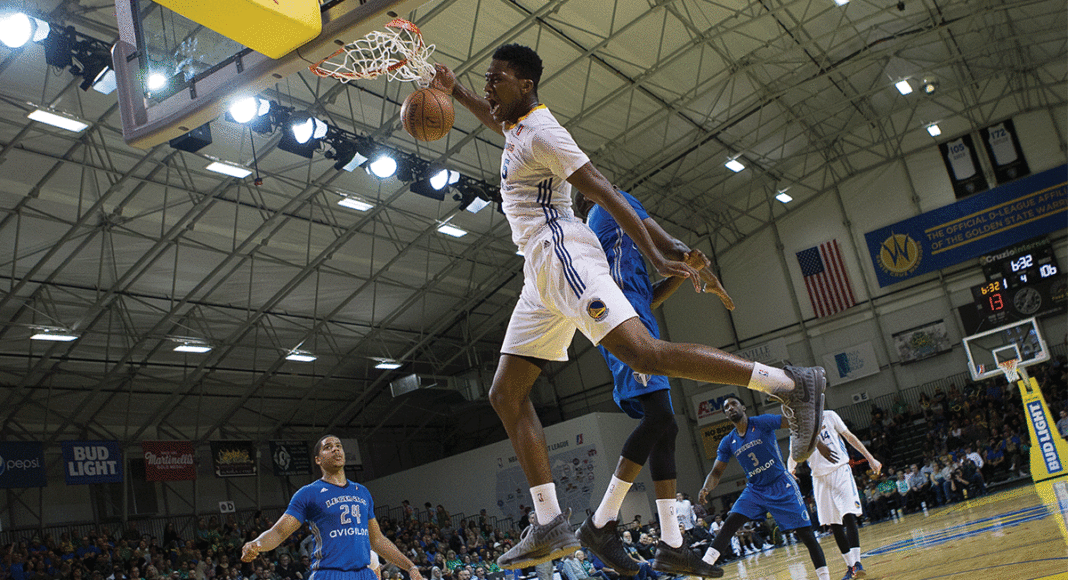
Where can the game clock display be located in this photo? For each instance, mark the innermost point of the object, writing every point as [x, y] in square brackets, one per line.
[1007, 300]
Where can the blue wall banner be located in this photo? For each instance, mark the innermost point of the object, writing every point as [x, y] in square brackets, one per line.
[22, 464]
[981, 224]
[92, 462]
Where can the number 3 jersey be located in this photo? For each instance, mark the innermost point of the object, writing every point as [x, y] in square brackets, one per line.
[757, 450]
[338, 518]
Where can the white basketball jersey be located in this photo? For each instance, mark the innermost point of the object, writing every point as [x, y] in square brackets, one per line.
[539, 155]
[829, 434]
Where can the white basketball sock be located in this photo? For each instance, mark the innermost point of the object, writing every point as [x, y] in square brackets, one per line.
[669, 523]
[848, 557]
[546, 506]
[769, 379]
[711, 555]
[823, 573]
[855, 552]
[613, 498]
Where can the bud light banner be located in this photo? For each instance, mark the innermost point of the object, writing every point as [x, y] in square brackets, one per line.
[169, 460]
[92, 462]
[981, 224]
[290, 458]
[22, 464]
[233, 458]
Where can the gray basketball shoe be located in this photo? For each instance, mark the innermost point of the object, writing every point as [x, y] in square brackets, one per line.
[803, 408]
[540, 543]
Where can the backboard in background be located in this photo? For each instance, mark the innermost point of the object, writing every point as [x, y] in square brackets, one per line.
[1021, 340]
[205, 71]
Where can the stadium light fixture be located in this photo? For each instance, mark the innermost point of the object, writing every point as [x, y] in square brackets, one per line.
[355, 203]
[382, 165]
[304, 128]
[934, 130]
[301, 356]
[53, 334]
[453, 231]
[193, 347]
[17, 28]
[734, 165]
[56, 119]
[388, 365]
[903, 87]
[783, 196]
[231, 169]
[841, 2]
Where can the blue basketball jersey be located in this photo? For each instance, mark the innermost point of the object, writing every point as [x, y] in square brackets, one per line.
[627, 266]
[624, 259]
[757, 450]
[338, 518]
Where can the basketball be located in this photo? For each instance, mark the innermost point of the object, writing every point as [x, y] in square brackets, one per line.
[427, 114]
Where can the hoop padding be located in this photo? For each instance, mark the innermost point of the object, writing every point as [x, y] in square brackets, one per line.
[397, 52]
[1009, 368]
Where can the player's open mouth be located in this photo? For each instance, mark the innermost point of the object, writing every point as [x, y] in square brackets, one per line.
[494, 106]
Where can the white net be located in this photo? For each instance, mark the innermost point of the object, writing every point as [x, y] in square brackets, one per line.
[1009, 368]
[397, 52]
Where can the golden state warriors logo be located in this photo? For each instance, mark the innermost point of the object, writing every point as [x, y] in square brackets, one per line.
[597, 309]
[899, 255]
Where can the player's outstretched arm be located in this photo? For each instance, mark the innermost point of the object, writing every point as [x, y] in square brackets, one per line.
[389, 552]
[270, 539]
[597, 189]
[876, 465]
[445, 81]
[712, 480]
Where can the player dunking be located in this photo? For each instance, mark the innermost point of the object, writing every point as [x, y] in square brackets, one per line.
[835, 490]
[769, 488]
[643, 397]
[340, 514]
[567, 286]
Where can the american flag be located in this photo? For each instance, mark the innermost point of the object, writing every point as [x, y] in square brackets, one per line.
[825, 276]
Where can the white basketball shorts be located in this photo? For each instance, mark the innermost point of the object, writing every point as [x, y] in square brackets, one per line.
[566, 286]
[836, 495]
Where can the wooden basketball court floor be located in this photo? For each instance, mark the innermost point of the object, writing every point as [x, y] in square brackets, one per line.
[1016, 534]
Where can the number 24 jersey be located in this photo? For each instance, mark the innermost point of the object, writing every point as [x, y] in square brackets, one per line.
[338, 518]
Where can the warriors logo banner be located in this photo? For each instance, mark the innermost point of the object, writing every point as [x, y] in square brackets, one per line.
[980, 224]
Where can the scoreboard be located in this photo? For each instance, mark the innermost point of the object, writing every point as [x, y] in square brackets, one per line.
[1020, 284]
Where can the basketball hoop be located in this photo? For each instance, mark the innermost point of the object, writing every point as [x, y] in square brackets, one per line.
[1009, 368]
[397, 52]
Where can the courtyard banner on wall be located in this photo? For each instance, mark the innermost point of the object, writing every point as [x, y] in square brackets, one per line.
[87, 462]
[290, 458]
[169, 460]
[233, 458]
[22, 464]
[981, 224]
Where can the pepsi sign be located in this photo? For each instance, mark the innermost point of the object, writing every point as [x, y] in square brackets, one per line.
[22, 464]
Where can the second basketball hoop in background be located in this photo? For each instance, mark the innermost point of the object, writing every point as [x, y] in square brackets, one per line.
[427, 114]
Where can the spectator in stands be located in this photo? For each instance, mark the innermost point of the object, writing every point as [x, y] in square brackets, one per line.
[919, 488]
[683, 511]
[938, 481]
[1062, 424]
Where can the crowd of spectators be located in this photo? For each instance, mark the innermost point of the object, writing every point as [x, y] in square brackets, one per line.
[975, 435]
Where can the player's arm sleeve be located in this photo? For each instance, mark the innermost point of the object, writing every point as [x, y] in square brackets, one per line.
[767, 422]
[554, 148]
[723, 453]
[298, 506]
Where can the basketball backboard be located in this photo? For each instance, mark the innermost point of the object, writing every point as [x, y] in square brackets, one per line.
[1021, 340]
[201, 71]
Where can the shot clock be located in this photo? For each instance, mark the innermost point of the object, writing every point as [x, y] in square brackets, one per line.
[1022, 282]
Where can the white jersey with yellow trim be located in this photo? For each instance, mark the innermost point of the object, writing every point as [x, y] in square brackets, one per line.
[539, 155]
